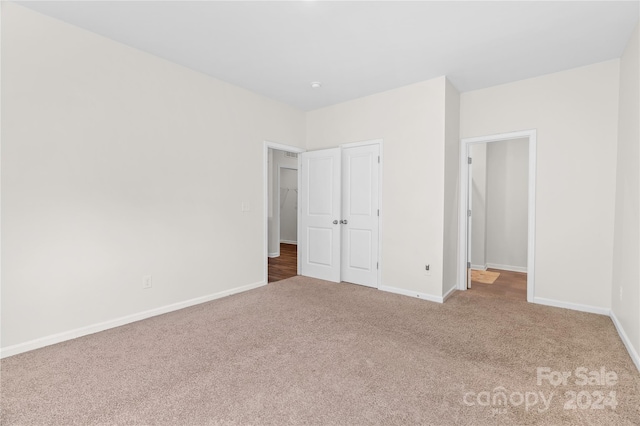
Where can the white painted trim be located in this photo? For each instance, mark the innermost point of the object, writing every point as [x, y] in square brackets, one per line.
[531, 236]
[272, 255]
[506, 267]
[361, 143]
[573, 306]
[500, 137]
[117, 322]
[479, 267]
[463, 204]
[265, 199]
[295, 243]
[283, 147]
[380, 143]
[416, 294]
[299, 260]
[625, 339]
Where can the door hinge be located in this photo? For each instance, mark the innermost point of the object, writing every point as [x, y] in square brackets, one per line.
[378, 212]
[377, 265]
[469, 213]
[378, 159]
[469, 265]
[469, 160]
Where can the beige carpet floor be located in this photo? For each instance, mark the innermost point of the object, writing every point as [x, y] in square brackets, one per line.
[303, 351]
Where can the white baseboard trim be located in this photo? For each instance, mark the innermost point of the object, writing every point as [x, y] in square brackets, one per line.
[276, 254]
[449, 293]
[479, 267]
[410, 293]
[117, 322]
[295, 243]
[573, 306]
[625, 339]
[507, 267]
[596, 310]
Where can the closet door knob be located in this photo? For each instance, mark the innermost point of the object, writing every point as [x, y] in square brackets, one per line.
[344, 222]
[335, 222]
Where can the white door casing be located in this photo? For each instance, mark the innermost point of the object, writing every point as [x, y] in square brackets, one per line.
[319, 232]
[463, 230]
[469, 214]
[360, 215]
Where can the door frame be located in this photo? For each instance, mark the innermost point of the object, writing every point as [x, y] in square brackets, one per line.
[280, 167]
[380, 144]
[465, 145]
[265, 199]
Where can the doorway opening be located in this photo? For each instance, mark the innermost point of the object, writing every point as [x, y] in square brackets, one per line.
[281, 164]
[498, 227]
[497, 215]
[283, 227]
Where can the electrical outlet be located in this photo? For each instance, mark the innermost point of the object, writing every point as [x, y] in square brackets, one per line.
[147, 281]
[427, 269]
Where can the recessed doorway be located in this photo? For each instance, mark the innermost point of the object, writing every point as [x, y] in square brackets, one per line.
[516, 265]
[498, 230]
[284, 226]
[281, 198]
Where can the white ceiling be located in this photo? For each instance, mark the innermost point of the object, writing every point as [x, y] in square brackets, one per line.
[361, 47]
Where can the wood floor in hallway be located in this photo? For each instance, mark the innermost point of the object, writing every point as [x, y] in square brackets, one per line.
[511, 285]
[286, 265]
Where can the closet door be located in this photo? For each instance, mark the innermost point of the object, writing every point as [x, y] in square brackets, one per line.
[319, 236]
[360, 215]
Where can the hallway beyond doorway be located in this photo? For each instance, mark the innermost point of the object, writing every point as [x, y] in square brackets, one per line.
[509, 285]
[286, 265]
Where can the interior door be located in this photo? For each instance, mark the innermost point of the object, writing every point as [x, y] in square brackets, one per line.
[319, 236]
[360, 210]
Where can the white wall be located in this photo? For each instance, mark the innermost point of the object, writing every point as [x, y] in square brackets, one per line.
[116, 165]
[507, 195]
[288, 205]
[277, 158]
[575, 114]
[478, 153]
[451, 188]
[411, 121]
[625, 294]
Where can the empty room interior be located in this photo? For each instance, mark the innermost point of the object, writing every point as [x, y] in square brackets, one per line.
[316, 212]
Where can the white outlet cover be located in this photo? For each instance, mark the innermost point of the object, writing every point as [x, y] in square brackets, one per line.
[147, 281]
